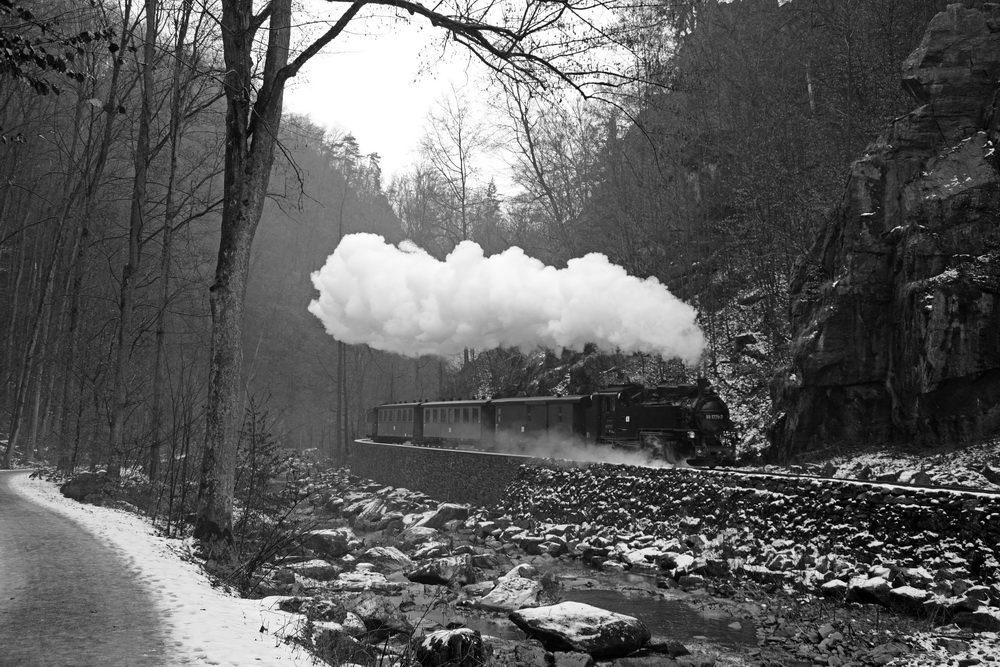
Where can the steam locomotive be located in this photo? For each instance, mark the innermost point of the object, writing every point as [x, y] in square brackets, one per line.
[669, 422]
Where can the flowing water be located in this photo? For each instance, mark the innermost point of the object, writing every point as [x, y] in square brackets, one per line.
[665, 618]
[672, 619]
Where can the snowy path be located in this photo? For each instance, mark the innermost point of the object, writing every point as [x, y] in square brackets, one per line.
[82, 585]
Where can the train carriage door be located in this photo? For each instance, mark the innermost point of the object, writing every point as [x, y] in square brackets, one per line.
[609, 414]
[560, 418]
[538, 419]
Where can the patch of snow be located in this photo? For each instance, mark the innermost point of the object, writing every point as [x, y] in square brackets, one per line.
[204, 625]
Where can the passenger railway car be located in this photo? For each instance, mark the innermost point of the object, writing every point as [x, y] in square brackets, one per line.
[455, 422]
[672, 422]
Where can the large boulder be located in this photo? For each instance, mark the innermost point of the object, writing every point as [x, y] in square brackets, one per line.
[461, 647]
[380, 614]
[443, 514]
[574, 626]
[511, 594]
[332, 542]
[443, 571]
[414, 536]
[387, 559]
[895, 309]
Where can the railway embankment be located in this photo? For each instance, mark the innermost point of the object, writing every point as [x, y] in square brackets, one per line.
[872, 523]
[820, 570]
[924, 551]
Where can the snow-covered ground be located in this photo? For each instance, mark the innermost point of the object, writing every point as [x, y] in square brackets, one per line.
[205, 625]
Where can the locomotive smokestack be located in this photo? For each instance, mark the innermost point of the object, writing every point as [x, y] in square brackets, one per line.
[403, 300]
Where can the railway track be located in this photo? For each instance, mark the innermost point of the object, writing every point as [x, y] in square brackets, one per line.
[729, 470]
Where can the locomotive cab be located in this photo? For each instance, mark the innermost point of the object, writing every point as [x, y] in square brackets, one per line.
[672, 422]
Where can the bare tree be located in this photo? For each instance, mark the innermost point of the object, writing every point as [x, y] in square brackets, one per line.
[454, 146]
[536, 41]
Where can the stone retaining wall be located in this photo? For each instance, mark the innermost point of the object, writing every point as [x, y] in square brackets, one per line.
[470, 477]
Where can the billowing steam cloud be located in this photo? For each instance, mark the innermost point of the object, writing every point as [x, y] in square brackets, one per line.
[403, 300]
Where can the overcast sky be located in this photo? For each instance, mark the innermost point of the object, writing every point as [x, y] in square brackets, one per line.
[380, 87]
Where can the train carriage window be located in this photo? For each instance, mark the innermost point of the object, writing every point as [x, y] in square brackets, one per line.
[434, 413]
[451, 415]
[499, 412]
[475, 415]
[465, 415]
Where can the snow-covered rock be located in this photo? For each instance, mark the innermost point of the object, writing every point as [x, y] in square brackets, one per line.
[387, 559]
[526, 570]
[461, 647]
[442, 571]
[445, 513]
[332, 542]
[510, 594]
[415, 536]
[580, 627]
[380, 614]
[317, 568]
[366, 581]
[430, 550]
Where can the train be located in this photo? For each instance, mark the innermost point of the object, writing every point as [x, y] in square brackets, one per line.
[674, 423]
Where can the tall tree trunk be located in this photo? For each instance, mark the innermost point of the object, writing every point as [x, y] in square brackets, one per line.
[126, 301]
[158, 362]
[249, 155]
[251, 135]
[39, 324]
[91, 183]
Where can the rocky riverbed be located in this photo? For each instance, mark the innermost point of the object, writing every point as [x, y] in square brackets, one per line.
[390, 575]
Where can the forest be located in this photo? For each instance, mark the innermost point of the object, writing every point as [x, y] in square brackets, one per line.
[710, 168]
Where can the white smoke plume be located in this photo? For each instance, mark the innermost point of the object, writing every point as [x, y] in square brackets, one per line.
[404, 300]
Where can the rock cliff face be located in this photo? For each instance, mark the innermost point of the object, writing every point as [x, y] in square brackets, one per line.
[896, 308]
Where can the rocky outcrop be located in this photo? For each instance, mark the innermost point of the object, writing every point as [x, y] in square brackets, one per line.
[895, 309]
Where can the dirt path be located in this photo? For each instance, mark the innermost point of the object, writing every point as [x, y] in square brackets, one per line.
[66, 599]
